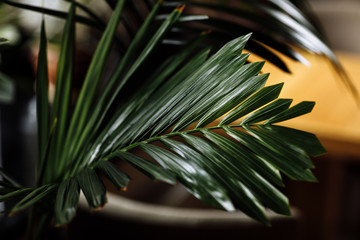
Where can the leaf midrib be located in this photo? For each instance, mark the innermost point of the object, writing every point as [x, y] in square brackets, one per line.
[168, 135]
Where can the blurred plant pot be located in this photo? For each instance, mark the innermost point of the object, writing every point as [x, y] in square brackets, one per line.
[149, 210]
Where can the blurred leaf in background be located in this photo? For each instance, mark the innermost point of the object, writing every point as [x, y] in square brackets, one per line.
[7, 89]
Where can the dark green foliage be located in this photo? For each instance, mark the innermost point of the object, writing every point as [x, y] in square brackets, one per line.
[192, 94]
[66, 202]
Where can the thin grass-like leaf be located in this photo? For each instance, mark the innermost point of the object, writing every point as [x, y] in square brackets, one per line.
[33, 197]
[9, 179]
[91, 82]
[5, 190]
[7, 185]
[109, 94]
[61, 105]
[137, 42]
[45, 163]
[184, 18]
[42, 98]
[22, 192]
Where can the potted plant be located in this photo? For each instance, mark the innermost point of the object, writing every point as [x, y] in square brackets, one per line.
[166, 105]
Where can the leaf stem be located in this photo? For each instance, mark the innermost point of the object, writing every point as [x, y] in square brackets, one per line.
[169, 135]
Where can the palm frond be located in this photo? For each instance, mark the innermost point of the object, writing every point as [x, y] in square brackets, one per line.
[93, 188]
[283, 26]
[114, 174]
[91, 82]
[280, 25]
[66, 202]
[210, 116]
[200, 161]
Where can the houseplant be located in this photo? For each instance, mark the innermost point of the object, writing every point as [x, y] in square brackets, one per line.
[179, 97]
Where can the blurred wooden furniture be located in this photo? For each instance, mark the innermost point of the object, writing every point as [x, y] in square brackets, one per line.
[336, 116]
[140, 220]
[328, 206]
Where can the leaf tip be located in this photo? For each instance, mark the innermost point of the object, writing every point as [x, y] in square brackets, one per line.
[180, 8]
[248, 35]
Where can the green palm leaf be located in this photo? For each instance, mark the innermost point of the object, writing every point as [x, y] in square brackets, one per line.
[278, 17]
[254, 165]
[93, 188]
[189, 98]
[61, 106]
[42, 96]
[150, 169]
[66, 201]
[208, 113]
[278, 24]
[114, 174]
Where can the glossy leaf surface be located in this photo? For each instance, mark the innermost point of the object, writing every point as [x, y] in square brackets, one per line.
[93, 188]
[202, 116]
[66, 202]
[114, 174]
